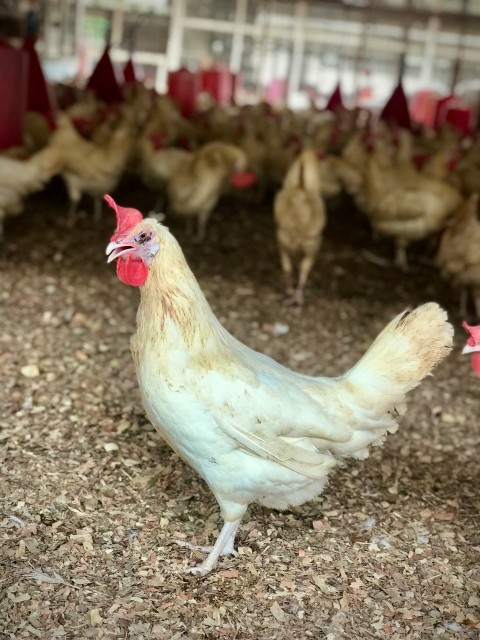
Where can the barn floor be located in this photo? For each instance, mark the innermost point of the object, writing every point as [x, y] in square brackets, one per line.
[93, 500]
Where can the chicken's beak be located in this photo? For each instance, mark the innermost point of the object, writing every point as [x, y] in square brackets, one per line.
[117, 249]
[467, 349]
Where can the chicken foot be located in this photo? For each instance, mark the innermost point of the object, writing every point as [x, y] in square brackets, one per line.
[401, 257]
[202, 220]
[306, 264]
[303, 272]
[224, 545]
[228, 549]
[74, 196]
[287, 268]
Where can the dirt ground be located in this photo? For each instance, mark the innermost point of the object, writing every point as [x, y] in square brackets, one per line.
[92, 500]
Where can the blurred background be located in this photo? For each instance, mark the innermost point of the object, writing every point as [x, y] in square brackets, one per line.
[284, 50]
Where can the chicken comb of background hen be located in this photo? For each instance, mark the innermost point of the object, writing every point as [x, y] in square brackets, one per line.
[473, 346]
[126, 218]
[474, 332]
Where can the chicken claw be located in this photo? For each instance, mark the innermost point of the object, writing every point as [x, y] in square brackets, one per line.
[295, 299]
[228, 550]
[223, 546]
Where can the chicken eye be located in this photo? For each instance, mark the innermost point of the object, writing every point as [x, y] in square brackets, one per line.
[143, 237]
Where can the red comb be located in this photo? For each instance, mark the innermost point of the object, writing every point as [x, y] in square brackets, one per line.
[474, 332]
[126, 218]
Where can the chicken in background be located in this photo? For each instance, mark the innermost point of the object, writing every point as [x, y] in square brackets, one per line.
[443, 166]
[458, 256]
[253, 429]
[468, 169]
[196, 187]
[403, 204]
[85, 107]
[88, 168]
[37, 131]
[300, 217]
[329, 175]
[158, 164]
[20, 178]
[472, 348]
[282, 149]
[250, 141]
[351, 166]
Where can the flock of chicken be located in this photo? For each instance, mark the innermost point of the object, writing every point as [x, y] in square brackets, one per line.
[409, 186]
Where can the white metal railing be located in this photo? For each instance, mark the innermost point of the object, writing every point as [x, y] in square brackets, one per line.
[337, 29]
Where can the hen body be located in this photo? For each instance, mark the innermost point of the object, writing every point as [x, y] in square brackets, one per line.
[89, 168]
[196, 187]
[19, 178]
[255, 430]
[300, 218]
[459, 253]
[405, 205]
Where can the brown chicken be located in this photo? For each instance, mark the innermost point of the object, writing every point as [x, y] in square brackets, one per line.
[404, 204]
[89, 168]
[458, 256]
[194, 190]
[158, 166]
[300, 217]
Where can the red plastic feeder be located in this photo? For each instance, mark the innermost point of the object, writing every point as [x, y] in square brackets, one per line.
[13, 105]
[183, 88]
[103, 81]
[218, 83]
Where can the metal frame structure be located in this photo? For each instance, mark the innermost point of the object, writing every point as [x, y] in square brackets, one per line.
[353, 28]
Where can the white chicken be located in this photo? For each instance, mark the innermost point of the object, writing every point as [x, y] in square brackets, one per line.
[19, 178]
[254, 430]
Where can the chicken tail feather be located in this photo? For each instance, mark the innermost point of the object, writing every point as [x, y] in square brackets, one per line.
[402, 355]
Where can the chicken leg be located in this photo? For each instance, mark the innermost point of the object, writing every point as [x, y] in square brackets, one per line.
[74, 196]
[202, 220]
[401, 260]
[287, 268]
[224, 545]
[303, 272]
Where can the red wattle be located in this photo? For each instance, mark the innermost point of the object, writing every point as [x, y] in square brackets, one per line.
[243, 179]
[131, 271]
[476, 363]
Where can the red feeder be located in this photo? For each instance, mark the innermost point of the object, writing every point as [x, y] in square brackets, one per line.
[38, 96]
[460, 118]
[183, 88]
[422, 106]
[13, 105]
[218, 83]
[441, 108]
[132, 73]
[335, 102]
[396, 109]
[103, 81]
